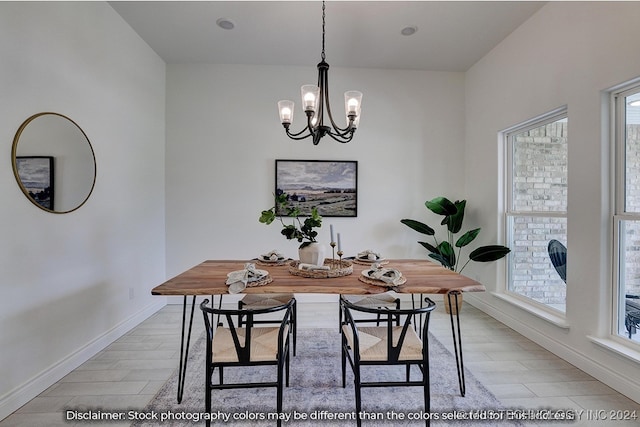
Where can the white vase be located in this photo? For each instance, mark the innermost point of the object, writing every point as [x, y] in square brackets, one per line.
[312, 253]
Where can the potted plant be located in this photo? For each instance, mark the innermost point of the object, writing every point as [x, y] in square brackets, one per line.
[444, 251]
[310, 251]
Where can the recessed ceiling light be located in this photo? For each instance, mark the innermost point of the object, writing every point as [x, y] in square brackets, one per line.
[409, 31]
[225, 23]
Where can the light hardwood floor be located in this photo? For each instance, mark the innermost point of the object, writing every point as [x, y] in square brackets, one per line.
[129, 372]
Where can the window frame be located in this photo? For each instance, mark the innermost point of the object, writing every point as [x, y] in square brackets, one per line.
[620, 214]
[509, 213]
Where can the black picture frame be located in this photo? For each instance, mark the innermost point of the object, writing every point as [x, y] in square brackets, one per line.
[36, 177]
[329, 185]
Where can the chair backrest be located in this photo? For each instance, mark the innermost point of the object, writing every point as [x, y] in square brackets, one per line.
[558, 255]
[388, 315]
[243, 344]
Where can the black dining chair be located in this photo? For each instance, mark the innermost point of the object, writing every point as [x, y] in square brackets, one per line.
[387, 344]
[248, 346]
[259, 301]
[558, 256]
[372, 301]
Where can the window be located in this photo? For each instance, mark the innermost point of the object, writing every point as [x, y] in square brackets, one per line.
[536, 206]
[627, 212]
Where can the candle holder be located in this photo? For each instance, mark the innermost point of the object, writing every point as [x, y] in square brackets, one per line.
[340, 253]
[333, 254]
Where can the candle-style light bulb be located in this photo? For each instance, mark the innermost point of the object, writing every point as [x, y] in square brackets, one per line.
[310, 95]
[285, 108]
[352, 102]
[352, 106]
[309, 99]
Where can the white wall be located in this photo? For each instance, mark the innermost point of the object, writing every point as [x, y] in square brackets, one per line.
[66, 279]
[223, 135]
[566, 54]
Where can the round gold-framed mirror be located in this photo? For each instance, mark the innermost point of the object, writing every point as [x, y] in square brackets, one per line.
[53, 162]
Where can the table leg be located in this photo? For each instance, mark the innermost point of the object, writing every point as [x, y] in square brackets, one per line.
[184, 349]
[455, 334]
[416, 324]
[457, 339]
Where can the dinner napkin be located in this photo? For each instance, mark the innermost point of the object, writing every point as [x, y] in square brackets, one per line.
[237, 280]
[387, 275]
[368, 254]
[303, 266]
[274, 255]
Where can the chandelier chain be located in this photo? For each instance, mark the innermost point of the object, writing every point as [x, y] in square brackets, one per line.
[323, 21]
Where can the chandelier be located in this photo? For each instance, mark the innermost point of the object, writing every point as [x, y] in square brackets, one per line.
[315, 101]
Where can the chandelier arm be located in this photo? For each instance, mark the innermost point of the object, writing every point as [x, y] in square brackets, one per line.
[297, 135]
[298, 138]
[341, 138]
[325, 88]
[343, 134]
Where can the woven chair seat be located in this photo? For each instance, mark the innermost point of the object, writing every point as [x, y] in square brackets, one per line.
[376, 300]
[265, 300]
[260, 301]
[264, 344]
[373, 343]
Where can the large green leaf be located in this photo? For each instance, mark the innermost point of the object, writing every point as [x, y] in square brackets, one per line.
[489, 253]
[467, 238]
[418, 226]
[446, 250]
[429, 247]
[454, 224]
[442, 260]
[441, 206]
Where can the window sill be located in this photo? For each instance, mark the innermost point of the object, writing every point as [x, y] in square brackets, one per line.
[554, 319]
[616, 347]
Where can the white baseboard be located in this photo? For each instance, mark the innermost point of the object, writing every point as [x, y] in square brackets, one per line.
[22, 394]
[602, 373]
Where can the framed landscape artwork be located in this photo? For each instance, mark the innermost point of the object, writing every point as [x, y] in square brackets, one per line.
[329, 185]
[36, 176]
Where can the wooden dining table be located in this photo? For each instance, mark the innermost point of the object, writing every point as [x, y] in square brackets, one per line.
[419, 276]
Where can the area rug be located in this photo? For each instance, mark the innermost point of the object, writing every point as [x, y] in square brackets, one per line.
[316, 397]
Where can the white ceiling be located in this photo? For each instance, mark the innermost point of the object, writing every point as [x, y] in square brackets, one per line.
[451, 36]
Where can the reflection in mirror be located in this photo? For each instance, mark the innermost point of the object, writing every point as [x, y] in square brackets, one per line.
[53, 162]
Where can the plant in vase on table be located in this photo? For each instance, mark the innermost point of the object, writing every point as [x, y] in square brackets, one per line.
[444, 252]
[310, 251]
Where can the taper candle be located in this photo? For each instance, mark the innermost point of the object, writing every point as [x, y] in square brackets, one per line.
[331, 228]
[339, 245]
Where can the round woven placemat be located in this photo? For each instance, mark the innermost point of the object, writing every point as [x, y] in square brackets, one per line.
[369, 262]
[264, 281]
[267, 263]
[338, 269]
[370, 281]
